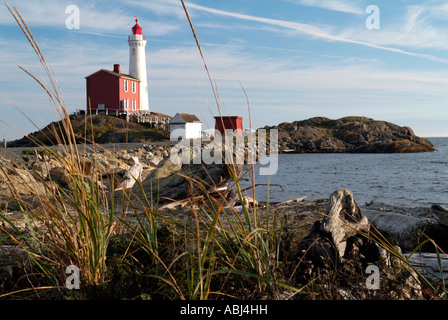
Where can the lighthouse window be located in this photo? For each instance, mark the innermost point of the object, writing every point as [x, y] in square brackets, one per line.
[125, 85]
[133, 87]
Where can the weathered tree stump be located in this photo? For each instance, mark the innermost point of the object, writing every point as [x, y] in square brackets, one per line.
[338, 234]
[343, 219]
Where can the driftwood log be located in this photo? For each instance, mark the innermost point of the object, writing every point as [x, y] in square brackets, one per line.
[335, 237]
[294, 200]
[170, 181]
[343, 219]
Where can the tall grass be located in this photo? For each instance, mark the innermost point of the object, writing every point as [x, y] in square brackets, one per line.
[68, 225]
[248, 246]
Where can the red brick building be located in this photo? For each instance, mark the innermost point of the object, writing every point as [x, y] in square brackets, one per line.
[234, 123]
[112, 92]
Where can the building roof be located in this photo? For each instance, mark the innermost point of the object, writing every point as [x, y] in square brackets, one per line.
[228, 117]
[122, 75]
[137, 29]
[185, 118]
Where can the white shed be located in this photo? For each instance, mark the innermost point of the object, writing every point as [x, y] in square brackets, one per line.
[185, 126]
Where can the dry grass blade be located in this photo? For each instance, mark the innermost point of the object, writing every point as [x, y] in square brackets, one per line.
[214, 88]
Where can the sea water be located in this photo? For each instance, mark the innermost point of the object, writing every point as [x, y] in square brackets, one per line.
[412, 179]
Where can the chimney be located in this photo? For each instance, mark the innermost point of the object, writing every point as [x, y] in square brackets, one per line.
[117, 68]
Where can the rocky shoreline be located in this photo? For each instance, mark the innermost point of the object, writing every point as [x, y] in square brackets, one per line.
[404, 227]
[352, 134]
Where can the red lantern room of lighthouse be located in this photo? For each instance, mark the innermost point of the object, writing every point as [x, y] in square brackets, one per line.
[137, 29]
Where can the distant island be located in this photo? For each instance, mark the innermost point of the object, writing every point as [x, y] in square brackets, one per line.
[348, 134]
[314, 135]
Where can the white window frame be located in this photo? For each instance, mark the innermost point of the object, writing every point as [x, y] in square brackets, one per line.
[134, 86]
[125, 86]
[133, 104]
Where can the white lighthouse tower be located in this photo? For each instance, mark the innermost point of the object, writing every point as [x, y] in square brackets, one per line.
[137, 63]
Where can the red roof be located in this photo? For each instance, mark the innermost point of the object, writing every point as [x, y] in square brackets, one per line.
[136, 29]
[120, 75]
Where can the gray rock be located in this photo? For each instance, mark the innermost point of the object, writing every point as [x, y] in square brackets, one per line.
[407, 226]
[430, 265]
[59, 175]
[439, 207]
[11, 257]
[23, 181]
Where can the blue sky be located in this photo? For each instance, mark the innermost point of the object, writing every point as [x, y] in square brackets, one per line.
[296, 59]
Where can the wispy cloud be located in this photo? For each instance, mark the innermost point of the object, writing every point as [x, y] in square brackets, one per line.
[347, 6]
[168, 8]
[95, 17]
[410, 21]
[416, 29]
[313, 31]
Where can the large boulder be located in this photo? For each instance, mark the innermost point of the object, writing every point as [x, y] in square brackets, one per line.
[407, 226]
[20, 180]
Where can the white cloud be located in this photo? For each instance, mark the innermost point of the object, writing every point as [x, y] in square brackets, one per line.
[440, 11]
[347, 6]
[95, 18]
[413, 13]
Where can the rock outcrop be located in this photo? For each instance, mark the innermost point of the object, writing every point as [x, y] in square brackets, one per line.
[99, 128]
[408, 226]
[348, 134]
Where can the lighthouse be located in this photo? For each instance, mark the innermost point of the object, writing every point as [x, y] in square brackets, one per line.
[137, 63]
